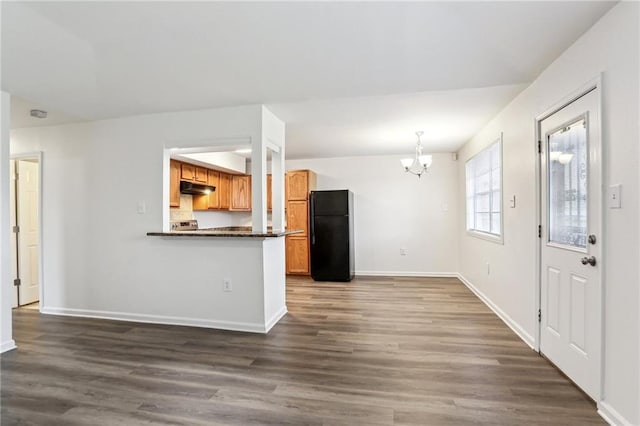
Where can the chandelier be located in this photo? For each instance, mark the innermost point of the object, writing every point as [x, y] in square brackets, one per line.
[420, 163]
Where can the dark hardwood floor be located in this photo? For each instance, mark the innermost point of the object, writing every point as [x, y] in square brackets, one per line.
[377, 351]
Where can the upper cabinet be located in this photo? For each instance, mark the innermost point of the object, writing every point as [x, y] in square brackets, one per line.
[224, 194]
[212, 200]
[233, 192]
[192, 173]
[299, 183]
[174, 183]
[240, 193]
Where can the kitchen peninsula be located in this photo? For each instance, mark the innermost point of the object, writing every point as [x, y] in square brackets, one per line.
[230, 279]
[227, 232]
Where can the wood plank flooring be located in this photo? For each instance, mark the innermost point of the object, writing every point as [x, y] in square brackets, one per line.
[377, 351]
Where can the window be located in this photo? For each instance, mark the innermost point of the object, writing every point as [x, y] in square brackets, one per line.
[484, 192]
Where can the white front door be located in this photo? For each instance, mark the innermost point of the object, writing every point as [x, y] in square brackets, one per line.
[28, 223]
[571, 246]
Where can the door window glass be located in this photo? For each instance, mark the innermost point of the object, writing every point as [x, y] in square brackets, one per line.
[567, 179]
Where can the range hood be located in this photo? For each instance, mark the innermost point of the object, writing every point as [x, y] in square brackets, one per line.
[195, 188]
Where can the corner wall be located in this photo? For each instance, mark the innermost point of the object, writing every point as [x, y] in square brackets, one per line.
[6, 335]
[394, 210]
[610, 47]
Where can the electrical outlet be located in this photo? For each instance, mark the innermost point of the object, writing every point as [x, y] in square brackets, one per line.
[142, 207]
[226, 284]
[403, 251]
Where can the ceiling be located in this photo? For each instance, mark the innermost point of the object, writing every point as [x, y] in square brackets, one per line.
[348, 78]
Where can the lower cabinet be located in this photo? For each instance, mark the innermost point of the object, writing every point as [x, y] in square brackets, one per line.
[297, 255]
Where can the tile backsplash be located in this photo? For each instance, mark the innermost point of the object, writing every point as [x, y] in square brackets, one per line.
[185, 211]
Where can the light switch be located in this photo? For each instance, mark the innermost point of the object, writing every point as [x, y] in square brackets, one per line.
[512, 202]
[614, 196]
[142, 207]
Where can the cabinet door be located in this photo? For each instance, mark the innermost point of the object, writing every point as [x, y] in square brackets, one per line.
[297, 260]
[224, 194]
[269, 192]
[240, 193]
[188, 172]
[298, 185]
[298, 216]
[174, 183]
[213, 179]
[201, 175]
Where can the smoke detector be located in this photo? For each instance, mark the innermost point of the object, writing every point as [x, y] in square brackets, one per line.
[38, 113]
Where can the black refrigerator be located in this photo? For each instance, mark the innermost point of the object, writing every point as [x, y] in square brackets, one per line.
[331, 227]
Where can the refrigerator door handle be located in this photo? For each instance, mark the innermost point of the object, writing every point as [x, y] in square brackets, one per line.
[311, 218]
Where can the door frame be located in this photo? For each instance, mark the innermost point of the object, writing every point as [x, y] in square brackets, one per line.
[37, 156]
[593, 85]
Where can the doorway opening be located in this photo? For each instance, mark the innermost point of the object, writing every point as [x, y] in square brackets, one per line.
[26, 226]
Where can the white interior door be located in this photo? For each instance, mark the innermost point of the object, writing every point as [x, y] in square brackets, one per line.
[570, 275]
[28, 223]
[14, 236]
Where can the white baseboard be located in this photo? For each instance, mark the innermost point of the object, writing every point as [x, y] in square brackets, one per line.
[407, 274]
[526, 337]
[611, 416]
[274, 319]
[7, 346]
[158, 319]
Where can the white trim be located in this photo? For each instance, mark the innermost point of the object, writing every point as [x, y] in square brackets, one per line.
[513, 325]
[498, 239]
[275, 318]
[488, 236]
[159, 319]
[611, 416]
[7, 346]
[392, 274]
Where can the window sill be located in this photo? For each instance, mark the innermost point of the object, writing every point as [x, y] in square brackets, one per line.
[498, 239]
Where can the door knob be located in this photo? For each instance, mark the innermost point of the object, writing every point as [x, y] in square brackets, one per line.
[588, 260]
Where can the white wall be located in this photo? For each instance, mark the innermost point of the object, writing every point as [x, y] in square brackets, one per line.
[610, 47]
[97, 258]
[6, 339]
[394, 210]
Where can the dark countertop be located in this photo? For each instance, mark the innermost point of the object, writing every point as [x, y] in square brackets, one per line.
[226, 231]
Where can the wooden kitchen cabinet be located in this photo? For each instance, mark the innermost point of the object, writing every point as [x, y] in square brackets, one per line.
[298, 184]
[174, 183]
[212, 200]
[298, 216]
[224, 195]
[240, 193]
[297, 254]
[192, 173]
[269, 193]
